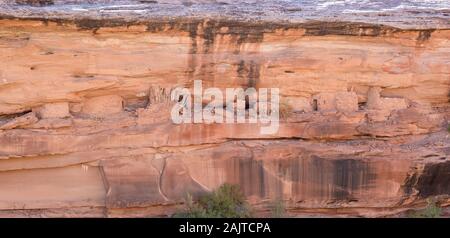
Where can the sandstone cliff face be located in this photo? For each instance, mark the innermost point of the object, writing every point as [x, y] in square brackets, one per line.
[85, 125]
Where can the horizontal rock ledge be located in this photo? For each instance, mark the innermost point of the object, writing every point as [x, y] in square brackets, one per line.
[85, 127]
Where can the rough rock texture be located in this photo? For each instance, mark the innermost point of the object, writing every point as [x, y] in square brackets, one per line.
[85, 124]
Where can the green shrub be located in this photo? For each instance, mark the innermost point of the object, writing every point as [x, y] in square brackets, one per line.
[191, 210]
[430, 211]
[278, 209]
[225, 202]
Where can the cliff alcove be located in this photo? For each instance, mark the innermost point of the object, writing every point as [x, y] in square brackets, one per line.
[85, 127]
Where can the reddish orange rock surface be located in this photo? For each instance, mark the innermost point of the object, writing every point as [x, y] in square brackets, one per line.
[85, 127]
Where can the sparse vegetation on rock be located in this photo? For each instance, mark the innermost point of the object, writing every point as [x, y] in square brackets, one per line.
[90, 82]
[278, 209]
[227, 201]
[432, 210]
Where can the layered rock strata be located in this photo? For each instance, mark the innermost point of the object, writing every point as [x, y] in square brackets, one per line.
[85, 125]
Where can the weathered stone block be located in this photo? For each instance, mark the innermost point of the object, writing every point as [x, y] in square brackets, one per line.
[324, 102]
[298, 104]
[53, 110]
[376, 102]
[340, 101]
[393, 103]
[374, 98]
[346, 101]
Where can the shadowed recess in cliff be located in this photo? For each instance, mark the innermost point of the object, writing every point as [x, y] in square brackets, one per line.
[434, 180]
[366, 103]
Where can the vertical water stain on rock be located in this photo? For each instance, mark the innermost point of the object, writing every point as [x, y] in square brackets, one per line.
[249, 71]
[253, 74]
[328, 154]
[335, 179]
[310, 177]
[424, 35]
[252, 176]
[249, 174]
[204, 34]
[350, 176]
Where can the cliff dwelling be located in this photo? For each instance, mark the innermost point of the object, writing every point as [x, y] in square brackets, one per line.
[85, 107]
